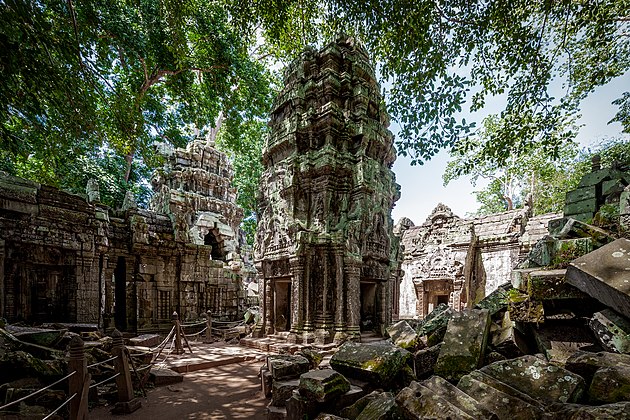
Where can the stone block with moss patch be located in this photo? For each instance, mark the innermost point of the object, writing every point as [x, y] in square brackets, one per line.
[372, 362]
[436, 320]
[524, 309]
[585, 363]
[538, 379]
[464, 344]
[551, 285]
[323, 385]
[495, 301]
[418, 402]
[383, 407]
[610, 385]
[403, 335]
[612, 330]
[286, 366]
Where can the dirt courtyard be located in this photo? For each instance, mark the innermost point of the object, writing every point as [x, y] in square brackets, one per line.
[225, 392]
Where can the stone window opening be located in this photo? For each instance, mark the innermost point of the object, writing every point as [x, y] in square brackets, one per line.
[211, 238]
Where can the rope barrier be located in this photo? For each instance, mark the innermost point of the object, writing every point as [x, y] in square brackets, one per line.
[60, 407]
[197, 333]
[106, 380]
[194, 324]
[37, 392]
[102, 363]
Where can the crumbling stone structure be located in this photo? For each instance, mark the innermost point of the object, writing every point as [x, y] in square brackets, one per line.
[65, 259]
[459, 261]
[324, 248]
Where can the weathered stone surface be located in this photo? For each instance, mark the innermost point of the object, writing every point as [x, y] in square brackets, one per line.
[403, 335]
[495, 301]
[324, 416]
[323, 385]
[605, 275]
[381, 363]
[538, 379]
[266, 381]
[300, 408]
[313, 356]
[417, 402]
[457, 397]
[610, 385]
[503, 405]
[352, 411]
[286, 366]
[523, 309]
[616, 411]
[161, 377]
[436, 320]
[282, 391]
[349, 398]
[507, 340]
[276, 413]
[327, 192]
[464, 344]
[586, 363]
[611, 330]
[424, 360]
[383, 407]
[551, 285]
[570, 228]
[146, 340]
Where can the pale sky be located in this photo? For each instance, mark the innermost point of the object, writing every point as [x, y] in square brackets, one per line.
[421, 186]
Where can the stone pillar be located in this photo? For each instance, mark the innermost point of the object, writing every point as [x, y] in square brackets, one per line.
[308, 336]
[340, 319]
[297, 304]
[352, 271]
[79, 383]
[269, 321]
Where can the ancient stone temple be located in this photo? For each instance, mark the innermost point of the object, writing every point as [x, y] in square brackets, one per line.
[459, 261]
[324, 247]
[65, 259]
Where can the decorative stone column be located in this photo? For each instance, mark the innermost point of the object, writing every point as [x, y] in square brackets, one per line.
[297, 303]
[352, 271]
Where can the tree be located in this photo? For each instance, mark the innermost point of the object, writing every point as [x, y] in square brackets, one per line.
[534, 174]
[444, 55]
[88, 78]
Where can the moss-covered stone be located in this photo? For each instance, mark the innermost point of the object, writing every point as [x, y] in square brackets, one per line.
[610, 385]
[612, 330]
[323, 385]
[383, 407]
[403, 335]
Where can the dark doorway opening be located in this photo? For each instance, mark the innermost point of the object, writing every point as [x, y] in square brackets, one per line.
[368, 306]
[442, 299]
[120, 294]
[217, 252]
[282, 310]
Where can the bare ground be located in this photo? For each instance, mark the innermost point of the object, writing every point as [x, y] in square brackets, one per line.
[224, 392]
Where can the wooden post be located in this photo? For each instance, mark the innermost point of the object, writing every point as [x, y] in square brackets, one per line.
[178, 334]
[126, 402]
[79, 383]
[208, 327]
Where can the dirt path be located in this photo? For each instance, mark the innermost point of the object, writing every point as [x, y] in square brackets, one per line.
[225, 392]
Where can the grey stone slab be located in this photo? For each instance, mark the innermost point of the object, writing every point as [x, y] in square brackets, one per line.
[611, 330]
[610, 385]
[287, 366]
[383, 407]
[604, 274]
[323, 385]
[538, 379]
[418, 402]
[281, 391]
[161, 377]
[457, 397]
[403, 335]
[424, 360]
[586, 363]
[464, 344]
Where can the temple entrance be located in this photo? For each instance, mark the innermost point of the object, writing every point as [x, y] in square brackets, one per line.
[282, 305]
[368, 306]
[120, 294]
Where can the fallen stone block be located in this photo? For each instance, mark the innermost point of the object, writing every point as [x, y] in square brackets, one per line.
[418, 402]
[300, 408]
[352, 396]
[146, 340]
[403, 335]
[610, 385]
[525, 310]
[266, 381]
[611, 330]
[323, 385]
[504, 405]
[551, 285]
[161, 377]
[324, 416]
[586, 363]
[496, 301]
[507, 340]
[282, 391]
[286, 366]
[605, 275]
[538, 379]
[352, 411]
[276, 413]
[616, 411]
[457, 397]
[424, 360]
[372, 362]
[464, 344]
[435, 321]
[314, 357]
[383, 407]
[569, 228]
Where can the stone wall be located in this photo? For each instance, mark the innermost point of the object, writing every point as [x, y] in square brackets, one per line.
[65, 259]
[459, 261]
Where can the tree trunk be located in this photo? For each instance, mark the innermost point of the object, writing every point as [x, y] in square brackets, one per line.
[129, 159]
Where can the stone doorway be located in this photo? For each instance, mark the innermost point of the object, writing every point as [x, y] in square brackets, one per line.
[211, 239]
[282, 305]
[120, 294]
[368, 306]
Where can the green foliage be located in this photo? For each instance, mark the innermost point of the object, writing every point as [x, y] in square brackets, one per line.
[118, 75]
[444, 56]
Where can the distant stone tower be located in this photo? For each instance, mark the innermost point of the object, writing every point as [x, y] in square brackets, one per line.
[324, 248]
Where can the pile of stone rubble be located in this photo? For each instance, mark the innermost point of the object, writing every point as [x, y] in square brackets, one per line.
[555, 343]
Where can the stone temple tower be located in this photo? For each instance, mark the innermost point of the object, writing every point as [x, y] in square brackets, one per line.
[325, 251]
